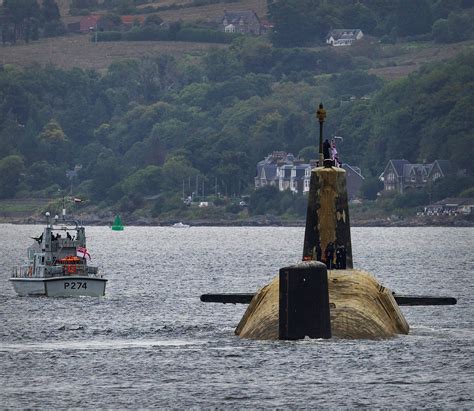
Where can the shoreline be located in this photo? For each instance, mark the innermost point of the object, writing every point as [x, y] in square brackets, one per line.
[259, 221]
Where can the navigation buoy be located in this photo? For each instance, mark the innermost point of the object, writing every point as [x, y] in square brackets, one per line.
[117, 226]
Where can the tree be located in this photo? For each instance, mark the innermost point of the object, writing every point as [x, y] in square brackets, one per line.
[107, 172]
[460, 27]
[359, 16]
[175, 170]
[264, 200]
[23, 16]
[309, 153]
[370, 188]
[52, 133]
[300, 22]
[220, 64]
[145, 181]
[440, 31]
[413, 17]
[11, 168]
[51, 19]
[41, 174]
[50, 11]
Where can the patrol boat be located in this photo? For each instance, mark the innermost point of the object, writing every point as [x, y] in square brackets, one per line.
[57, 264]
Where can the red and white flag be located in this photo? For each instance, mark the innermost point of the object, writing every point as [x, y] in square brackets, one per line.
[82, 252]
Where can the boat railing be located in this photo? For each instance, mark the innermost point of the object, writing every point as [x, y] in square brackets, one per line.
[26, 271]
[71, 269]
[22, 271]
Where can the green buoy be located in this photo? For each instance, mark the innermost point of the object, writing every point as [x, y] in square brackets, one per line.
[117, 226]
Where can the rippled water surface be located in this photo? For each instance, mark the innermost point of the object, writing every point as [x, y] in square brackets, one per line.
[151, 343]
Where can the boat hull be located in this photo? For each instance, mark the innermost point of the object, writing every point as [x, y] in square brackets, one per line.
[70, 286]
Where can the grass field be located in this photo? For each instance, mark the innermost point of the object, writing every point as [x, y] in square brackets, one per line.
[213, 11]
[413, 55]
[209, 12]
[78, 51]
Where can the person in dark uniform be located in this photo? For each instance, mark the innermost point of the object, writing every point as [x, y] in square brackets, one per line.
[329, 254]
[38, 239]
[68, 235]
[341, 257]
[326, 147]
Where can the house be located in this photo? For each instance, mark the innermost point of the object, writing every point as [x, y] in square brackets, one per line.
[343, 37]
[284, 177]
[88, 23]
[246, 22]
[400, 175]
[450, 206]
[267, 168]
[284, 171]
[300, 177]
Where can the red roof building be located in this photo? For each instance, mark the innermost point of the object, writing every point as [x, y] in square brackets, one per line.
[88, 23]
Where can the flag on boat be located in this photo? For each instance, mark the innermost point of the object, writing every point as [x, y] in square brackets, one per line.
[77, 200]
[82, 252]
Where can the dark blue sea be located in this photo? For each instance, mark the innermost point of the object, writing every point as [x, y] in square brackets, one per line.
[151, 343]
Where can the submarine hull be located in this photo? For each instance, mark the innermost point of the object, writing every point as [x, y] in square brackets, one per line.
[360, 308]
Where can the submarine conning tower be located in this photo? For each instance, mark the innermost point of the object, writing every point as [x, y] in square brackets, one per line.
[327, 218]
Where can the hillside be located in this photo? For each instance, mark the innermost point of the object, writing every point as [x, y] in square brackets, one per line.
[138, 126]
[79, 51]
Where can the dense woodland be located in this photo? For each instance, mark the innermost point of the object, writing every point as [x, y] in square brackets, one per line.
[148, 132]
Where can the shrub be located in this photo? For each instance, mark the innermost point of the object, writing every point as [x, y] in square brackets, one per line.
[148, 33]
[205, 36]
[107, 36]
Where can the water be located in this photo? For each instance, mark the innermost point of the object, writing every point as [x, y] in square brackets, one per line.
[151, 343]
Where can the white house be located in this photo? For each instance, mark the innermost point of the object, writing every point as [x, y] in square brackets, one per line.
[284, 171]
[343, 37]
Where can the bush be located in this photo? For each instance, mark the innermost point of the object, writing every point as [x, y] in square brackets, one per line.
[411, 198]
[148, 33]
[386, 39]
[205, 36]
[370, 188]
[107, 36]
[467, 193]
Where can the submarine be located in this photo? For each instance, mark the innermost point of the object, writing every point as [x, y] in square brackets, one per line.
[324, 296]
